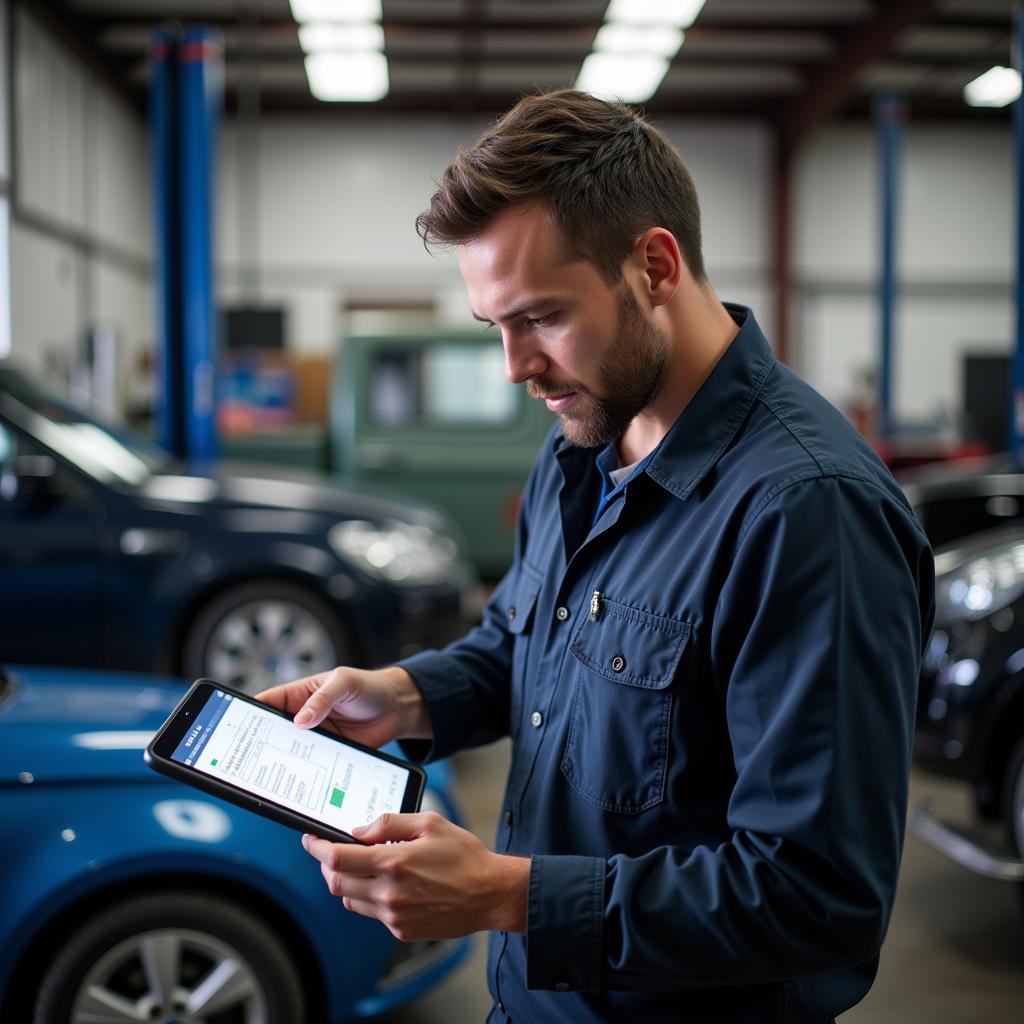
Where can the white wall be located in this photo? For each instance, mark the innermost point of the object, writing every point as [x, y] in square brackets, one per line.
[955, 258]
[81, 238]
[337, 202]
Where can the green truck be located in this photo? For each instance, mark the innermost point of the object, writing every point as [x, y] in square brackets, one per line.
[429, 415]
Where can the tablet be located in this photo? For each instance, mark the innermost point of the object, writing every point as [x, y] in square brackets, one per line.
[232, 746]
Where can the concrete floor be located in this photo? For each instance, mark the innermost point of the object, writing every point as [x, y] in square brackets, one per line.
[954, 953]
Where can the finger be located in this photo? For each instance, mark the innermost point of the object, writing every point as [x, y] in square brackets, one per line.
[332, 688]
[350, 858]
[349, 886]
[291, 696]
[396, 827]
[362, 907]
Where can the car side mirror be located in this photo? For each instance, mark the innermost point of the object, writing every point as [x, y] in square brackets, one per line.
[27, 479]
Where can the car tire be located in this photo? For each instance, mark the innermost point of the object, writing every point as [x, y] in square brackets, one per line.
[260, 634]
[1013, 791]
[189, 940]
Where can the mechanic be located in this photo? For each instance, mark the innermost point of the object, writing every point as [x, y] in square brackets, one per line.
[706, 651]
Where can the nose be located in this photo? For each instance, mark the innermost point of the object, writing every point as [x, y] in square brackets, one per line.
[523, 358]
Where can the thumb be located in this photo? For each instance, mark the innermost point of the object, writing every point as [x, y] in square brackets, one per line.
[320, 701]
[390, 828]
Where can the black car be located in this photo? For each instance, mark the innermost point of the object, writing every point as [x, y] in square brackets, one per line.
[970, 714]
[115, 555]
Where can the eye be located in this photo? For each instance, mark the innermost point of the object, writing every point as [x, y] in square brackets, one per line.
[542, 321]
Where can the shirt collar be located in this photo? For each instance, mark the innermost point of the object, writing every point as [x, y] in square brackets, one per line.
[704, 429]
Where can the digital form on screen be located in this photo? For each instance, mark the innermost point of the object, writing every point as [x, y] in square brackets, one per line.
[306, 772]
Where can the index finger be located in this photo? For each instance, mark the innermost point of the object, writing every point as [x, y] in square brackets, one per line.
[346, 858]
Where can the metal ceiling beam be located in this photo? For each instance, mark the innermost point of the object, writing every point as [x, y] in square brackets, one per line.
[469, 66]
[586, 27]
[828, 91]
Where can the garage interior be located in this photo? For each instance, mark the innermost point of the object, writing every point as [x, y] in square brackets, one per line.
[857, 191]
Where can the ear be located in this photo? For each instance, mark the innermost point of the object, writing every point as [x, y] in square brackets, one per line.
[661, 264]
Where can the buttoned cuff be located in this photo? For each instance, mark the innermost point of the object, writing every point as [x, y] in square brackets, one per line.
[451, 705]
[565, 924]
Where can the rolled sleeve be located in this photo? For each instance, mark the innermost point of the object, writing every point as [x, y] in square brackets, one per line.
[565, 923]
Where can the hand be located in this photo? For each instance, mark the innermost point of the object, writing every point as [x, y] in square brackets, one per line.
[434, 881]
[372, 708]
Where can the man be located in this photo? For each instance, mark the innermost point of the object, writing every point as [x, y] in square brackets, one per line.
[706, 650]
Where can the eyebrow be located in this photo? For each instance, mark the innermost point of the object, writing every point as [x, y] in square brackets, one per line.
[526, 307]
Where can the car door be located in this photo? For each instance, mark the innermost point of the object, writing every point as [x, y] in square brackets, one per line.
[50, 606]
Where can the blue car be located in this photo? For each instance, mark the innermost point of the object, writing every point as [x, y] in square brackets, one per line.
[129, 897]
[115, 555]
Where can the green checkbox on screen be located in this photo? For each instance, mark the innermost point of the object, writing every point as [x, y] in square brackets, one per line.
[336, 797]
[214, 761]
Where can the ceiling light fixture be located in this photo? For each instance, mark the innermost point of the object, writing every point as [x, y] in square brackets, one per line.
[623, 77]
[354, 77]
[336, 10]
[340, 38]
[653, 40]
[678, 13]
[997, 87]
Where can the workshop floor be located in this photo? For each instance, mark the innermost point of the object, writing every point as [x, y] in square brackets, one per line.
[954, 953]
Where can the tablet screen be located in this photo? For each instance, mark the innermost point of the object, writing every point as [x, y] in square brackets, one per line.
[254, 749]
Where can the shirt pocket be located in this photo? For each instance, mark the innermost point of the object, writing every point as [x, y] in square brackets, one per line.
[520, 616]
[616, 749]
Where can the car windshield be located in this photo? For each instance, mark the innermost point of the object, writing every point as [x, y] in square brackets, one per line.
[108, 452]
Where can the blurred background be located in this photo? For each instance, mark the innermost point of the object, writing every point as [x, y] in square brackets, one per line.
[249, 428]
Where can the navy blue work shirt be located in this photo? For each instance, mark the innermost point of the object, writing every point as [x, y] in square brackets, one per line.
[710, 692]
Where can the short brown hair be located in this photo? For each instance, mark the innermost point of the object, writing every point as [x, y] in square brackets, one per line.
[606, 174]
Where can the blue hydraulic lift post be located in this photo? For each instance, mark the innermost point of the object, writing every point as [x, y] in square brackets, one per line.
[890, 115]
[163, 91]
[202, 95]
[1017, 401]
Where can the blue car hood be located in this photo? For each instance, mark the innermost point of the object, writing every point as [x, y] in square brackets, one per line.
[62, 725]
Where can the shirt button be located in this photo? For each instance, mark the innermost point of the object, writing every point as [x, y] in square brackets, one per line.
[562, 614]
[508, 819]
[618, 663]
[511, 613]
[562, 986]
[536, 719]
[501, 1007]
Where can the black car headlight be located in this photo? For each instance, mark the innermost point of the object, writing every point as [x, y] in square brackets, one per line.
[972, 588]
[401, 553]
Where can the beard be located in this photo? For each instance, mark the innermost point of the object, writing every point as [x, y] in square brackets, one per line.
[630, 378]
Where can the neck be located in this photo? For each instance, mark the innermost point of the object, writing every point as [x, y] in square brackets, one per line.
[700, 330]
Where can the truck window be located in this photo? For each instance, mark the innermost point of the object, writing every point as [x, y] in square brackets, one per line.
[446, 385]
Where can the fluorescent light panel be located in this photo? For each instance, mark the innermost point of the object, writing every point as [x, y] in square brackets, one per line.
[677, 13]
[625, 77]
[338, 77]
[655, 40]
[323, 35]
[336, 10]
[997, 87]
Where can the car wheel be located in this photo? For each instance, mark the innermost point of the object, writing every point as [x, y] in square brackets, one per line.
[261, 634]
[186, 957]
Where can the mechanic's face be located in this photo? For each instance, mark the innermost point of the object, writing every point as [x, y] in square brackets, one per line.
[583, 346]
